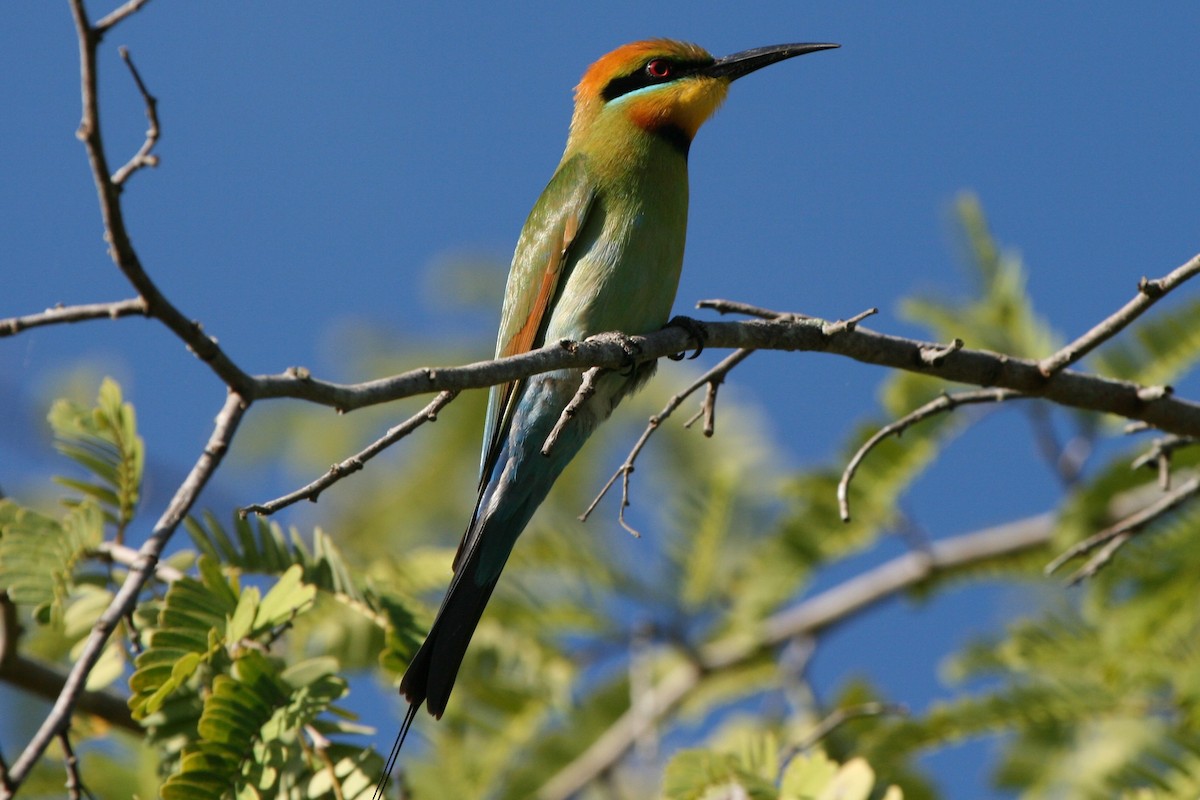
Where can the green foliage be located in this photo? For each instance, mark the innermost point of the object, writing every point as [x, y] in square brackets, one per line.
[243, 659]
[250, 736]
[104, 441]
[224, 715]
[262, 547]
[39, 555]
[756, 774]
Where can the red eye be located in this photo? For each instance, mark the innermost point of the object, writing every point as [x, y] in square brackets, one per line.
[659, 68]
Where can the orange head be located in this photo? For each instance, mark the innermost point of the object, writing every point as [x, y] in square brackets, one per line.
[665, 87]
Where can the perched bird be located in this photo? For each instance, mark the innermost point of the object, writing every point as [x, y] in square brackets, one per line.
[601, 251]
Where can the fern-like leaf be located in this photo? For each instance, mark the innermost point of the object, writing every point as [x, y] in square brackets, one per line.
[39, 554]
[104, 441]
[260, 546]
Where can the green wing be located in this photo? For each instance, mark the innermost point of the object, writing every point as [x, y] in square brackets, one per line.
[541, 258]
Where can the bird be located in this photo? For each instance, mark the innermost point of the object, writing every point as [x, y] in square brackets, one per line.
[601, 251]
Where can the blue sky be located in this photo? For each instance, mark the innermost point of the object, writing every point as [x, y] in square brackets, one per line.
[319, 160]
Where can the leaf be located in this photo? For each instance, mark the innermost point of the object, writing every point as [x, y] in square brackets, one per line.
[39, 555]
[853, 781]
[704, 775]
[260, 546]
[190, 626]
[104, 441]
[807, 775]
[286, 598]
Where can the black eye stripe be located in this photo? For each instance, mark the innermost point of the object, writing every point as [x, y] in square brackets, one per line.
[641, 77]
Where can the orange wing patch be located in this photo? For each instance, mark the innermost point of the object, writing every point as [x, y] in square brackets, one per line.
[526, 338]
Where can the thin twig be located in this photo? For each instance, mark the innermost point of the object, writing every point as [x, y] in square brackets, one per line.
[587, 388]
[1123, 531]
[712, 379]
[1148, 294]
[936, 354]
[1100, 559]
[120, 245]
[321, 744]
[625, 470]
[127, 556]
[143, 157]
[61, 314]
[738, 307]
[943, 403]
[74, 785]
[842, 325]
[355, 462]
[1159, 456]
[1065, 460]
[834, 720]
[127, 596]
[708, 407]
[127, 10]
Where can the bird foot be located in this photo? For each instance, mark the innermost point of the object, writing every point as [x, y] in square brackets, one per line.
[695, 329]
[632, 350]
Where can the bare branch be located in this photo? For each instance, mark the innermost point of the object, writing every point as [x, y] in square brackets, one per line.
[1116, 535]
[39, 679]
[737, 307]
[128, 557]
[625, 470]
[126, 597]
[71, 763]
[143, 157]
[838, 717]
[127, 10]
[813, 616]
[978, 367]
[1148, 294]
[1159, 456]
[62, 314]
[708, 407]
[587, 388]
[116, 234]
[356, 462]
[943, 403]
[936, 354]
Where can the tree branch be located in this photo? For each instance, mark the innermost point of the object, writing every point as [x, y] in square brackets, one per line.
[813, 616]
[945, 402]
[125, 599]
[1114, 536]
[587, 388]
[116, 233]
[79, 313]
[355, 462]
[1148, 294]
[129, 9]
[142, 158]
[1154, 405]
[713, 376]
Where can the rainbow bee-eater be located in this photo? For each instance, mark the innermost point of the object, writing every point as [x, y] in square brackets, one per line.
[601, 251]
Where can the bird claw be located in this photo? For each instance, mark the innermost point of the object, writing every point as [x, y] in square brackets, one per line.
[632, 350]
[695, 329]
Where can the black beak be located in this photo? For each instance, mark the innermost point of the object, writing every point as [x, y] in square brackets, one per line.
[747, 61]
